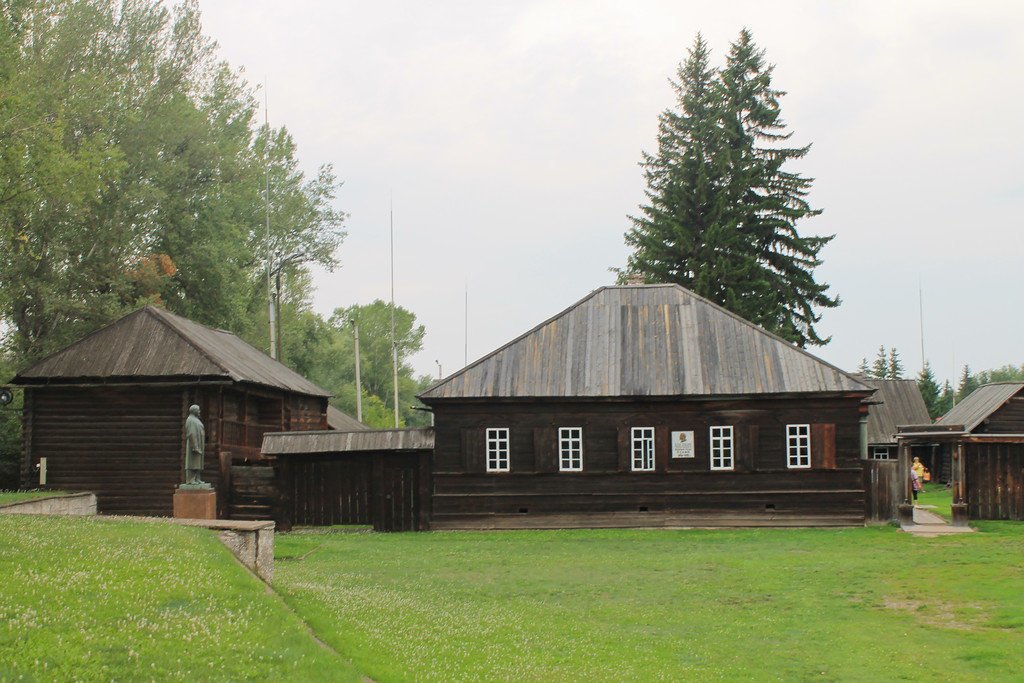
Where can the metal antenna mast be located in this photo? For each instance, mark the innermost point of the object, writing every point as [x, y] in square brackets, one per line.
[920, 308]
[394, 340]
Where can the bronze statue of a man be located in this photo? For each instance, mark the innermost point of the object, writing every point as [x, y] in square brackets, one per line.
[195, 440]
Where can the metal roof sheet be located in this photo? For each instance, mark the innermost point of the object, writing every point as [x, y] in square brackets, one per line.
[644, 340]
[901, 404]
[298, 443]
[154, 343]
[980, 404]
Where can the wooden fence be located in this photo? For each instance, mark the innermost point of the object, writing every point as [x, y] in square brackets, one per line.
[881, 491]
[995, 480]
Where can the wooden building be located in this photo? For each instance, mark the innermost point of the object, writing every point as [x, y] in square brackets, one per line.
[982, 440]
[106, 414]
[647, 405]
[895, 402]
[373, 477]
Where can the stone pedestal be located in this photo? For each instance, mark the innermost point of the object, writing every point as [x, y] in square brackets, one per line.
[959, 514]
[191, 502]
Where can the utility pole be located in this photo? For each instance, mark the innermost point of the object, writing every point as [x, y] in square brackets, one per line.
[266, 199]
[359, 383]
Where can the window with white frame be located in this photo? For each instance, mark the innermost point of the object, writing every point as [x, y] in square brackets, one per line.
[643, 449]
[570, 449]
[798, 446]
[497, 449]
[721, 448]
[880, 453]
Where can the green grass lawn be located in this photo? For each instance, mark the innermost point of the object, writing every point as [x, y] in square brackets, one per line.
[83, 599]
[18, 496]
[939, 496]
[866, 604]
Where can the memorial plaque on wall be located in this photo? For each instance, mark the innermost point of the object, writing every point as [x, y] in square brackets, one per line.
[682, 444]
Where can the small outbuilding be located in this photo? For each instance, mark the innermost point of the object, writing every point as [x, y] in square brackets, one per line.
[895, 402]
[647, 405]
[982, 440]
[106, 414]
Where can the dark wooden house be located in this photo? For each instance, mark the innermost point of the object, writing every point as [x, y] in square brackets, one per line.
[895, 402]
[981, 444]
[641, 406]
[377, 477]
[106, 414]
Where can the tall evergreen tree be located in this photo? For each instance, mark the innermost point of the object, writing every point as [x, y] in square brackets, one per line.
[880, 367]
[722, 211]
[895, 365]
[968, 383]
[863, 368]
[929, 389]
[945, 403]
[685, 233]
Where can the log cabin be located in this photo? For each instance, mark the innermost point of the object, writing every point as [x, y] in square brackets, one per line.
[895, 402]
[980, 443]
[647, 405]
[106, 414]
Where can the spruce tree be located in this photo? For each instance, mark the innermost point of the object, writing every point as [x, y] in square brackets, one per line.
[722, 211]
[880, 368]
[968, 383]
[945, 403]
[685, 232]
[895, 369]
[929, 389]
[863, 368]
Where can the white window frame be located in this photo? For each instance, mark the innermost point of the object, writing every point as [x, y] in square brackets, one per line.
[641, 450]
[798, 446]
[497, 449]
[570, 449]
[721, 447]
[880, 453]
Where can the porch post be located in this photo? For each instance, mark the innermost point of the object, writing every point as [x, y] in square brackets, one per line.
[906, 508]
[959, 481]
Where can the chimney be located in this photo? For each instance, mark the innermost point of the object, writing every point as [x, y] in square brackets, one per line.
[634, 279]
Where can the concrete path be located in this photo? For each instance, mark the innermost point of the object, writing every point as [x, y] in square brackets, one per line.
[928, 524]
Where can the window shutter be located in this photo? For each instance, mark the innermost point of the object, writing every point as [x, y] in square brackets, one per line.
[823, 446]
[661, 448]
[545, 449]
[473, 456]
[624, 454]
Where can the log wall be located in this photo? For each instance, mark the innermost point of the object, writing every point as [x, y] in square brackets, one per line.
[760, 490]
[995, 480]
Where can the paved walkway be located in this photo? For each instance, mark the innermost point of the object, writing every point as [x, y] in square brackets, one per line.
[928, 524]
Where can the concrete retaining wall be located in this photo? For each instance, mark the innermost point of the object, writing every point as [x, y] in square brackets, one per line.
[251, 542]
[71, 504]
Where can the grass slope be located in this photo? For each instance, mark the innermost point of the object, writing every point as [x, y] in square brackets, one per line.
[89, 600]
[854, 605]
[19, 496]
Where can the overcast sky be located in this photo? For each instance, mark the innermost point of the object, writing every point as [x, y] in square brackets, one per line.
[507, 135]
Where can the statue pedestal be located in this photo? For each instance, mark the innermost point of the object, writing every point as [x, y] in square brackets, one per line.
[191, 502]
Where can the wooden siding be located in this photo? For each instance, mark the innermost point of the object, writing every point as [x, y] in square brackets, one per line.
[882, 491]
[122, 444]
[649, 340]
[389, 490]
[1007, 419]
[995, 480]
[760, 487]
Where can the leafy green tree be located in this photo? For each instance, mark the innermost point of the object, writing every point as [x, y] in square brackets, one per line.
[1007, 373]
[929, 389]
[722, 209]
[132, 170]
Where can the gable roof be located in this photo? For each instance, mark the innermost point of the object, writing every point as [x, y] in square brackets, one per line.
[980, 404]
[154, 343]
[360, 441]
[901, 403]
[337, 420]
[644, 340]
